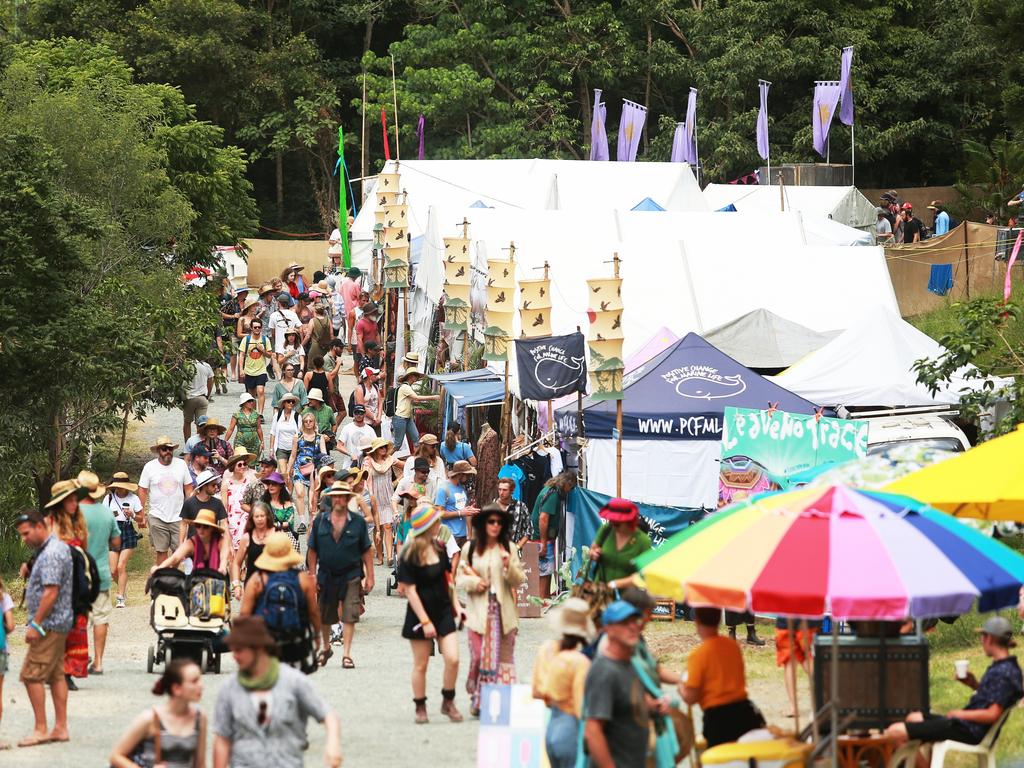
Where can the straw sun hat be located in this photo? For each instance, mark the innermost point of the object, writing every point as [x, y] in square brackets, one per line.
[278, 554]
[120, 480]
[62, 489]
[208, 518]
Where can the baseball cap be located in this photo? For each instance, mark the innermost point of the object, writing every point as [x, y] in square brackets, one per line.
[358, 409]
[369, 370]
[618, 611]
[907, 207]
[999, 628]
[284, 298]
[200, 450]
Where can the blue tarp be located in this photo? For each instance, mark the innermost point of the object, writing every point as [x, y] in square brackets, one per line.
[730, 208]
[663, 522]
[681, 395]
[477, 374]
[460, 394]
[647, 205]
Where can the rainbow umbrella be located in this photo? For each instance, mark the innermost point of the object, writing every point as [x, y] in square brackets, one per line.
[835, 551]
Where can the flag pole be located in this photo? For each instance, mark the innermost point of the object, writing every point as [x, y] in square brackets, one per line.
[618, 405]
[853, 162]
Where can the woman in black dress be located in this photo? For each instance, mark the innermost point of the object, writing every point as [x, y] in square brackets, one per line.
[256, 531]
[425, 572]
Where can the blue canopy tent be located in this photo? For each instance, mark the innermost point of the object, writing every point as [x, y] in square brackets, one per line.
[647, 205]
[466, 389]
[681, 395]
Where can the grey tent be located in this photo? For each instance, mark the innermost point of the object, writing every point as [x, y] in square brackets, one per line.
[762, 339]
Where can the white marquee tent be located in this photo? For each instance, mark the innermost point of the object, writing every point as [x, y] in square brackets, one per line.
[871, 364]
[845, 205]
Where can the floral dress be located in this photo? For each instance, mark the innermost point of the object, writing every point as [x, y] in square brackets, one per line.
[284, 520]
[308, 450]
[238, 518]
[381, 487]
[246, 436]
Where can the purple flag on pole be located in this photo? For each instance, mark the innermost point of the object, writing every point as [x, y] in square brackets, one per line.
[631, 125]
[846, 87]
[690, 147]
[762, 121]
[679, 144]
[826, 98]
[598, 133]
[419, 132]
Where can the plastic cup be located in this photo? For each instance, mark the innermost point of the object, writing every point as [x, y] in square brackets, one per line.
[960, 665]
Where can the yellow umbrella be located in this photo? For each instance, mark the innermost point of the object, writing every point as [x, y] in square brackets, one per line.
[986, 482]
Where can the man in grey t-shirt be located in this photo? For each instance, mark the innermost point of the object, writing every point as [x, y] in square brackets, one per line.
[615, 705]
[50, 618]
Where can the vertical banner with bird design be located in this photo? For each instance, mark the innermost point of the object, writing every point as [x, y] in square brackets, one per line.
[501, 288]
[535, 307]
[393, 216]
[551, 366]
[605, 337]
[457, 282]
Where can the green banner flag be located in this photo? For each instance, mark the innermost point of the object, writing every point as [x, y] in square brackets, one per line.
[346, 248]
[761, 449]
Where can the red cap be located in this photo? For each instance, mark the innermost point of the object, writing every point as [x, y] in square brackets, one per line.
[907, 207]
[619, 511]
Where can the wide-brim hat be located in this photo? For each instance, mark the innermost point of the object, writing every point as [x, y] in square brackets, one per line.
[61, 490]
[411, 359]
[244, 398]
[266, 288]
[326, 470]
[211, 423]
[619, 511]
[250, 632]
[375, 444]
[315, 394]
[250, 301]
[322, 286]
[208, 518]
[428, 439]
[90, 483]
[274, 477]
[480, 520]
[278, 553]
[120, 480]
[240, 455]
[206, 477]
[354, 272]
[423, 518]
[165, 442]
[339, 488]
[462, 467]
[295, 267]
[288, 396]
[355, 476]
[572, 617]
[369, 308]
[405, 373]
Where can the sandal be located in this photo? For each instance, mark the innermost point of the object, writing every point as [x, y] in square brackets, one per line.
[34, 741]
[324, 656]
[347, 663]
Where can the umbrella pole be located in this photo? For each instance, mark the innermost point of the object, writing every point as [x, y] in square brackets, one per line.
[834, 714]
[791, 674]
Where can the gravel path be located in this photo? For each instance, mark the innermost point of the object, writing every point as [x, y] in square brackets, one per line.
[373, 700]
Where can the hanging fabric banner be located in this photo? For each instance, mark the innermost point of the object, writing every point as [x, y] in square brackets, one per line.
[420, 129]
[826, 98]
[762, 121]
[679, 144]
[551, 367]
[346, 247]
[631, 127]
[846, 87]
[690, 144]
[384, 131]
[598, 131]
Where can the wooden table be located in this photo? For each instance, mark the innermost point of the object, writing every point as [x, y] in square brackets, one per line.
[873, 750]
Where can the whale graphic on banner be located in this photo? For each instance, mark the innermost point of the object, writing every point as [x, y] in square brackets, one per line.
[702, 382]
[552, 373]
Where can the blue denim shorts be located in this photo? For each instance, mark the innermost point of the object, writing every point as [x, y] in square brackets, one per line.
[547, 560]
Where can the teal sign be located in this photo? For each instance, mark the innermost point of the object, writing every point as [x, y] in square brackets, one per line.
[761, 449]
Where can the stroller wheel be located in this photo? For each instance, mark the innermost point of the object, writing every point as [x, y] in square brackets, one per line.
[150, 659]
[389, 587]
[216, 664]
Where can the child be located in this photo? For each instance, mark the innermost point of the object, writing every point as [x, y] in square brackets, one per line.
[6, 626]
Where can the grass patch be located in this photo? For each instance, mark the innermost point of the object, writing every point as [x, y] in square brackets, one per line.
[672, 641]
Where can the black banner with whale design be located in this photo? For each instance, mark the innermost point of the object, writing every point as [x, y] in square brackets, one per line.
[551, 366]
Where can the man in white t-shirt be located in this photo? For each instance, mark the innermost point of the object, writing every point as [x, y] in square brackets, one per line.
[163, 486]
[354, 434]
[197, 397]
[280, 321]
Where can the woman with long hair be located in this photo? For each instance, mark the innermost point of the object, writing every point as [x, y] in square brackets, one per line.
[490, 572]
[124, 503]
[282, 508]
[284, 432]
[426, 449]
[618, 542]
[380, 471]
[432, 610]
[257, 529]
[67, 523]
[325, 475]
[172, 734]
[288, 384]
[293, 352]
[250, 312]
[454, 449]
[236, 479]
[307, 449]
[367, 394]
[291, 281]
[249, 425]
[209, 547]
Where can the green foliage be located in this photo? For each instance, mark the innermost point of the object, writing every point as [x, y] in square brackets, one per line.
[987, 334]
[108, 190]
[991, 176]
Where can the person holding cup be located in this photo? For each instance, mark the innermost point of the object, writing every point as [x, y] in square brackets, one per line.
[1001, 687]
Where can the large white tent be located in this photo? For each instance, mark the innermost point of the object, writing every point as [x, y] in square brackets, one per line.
[845, 205]
[871, 364]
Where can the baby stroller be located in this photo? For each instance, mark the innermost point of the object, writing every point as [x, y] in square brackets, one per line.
[190, 615]
[402, 527]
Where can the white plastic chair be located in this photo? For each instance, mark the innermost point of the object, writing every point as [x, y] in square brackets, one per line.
[905, 756]
[985, 750]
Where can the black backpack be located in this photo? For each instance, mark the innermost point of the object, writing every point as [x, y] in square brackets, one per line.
[85, 581]
[390, 401]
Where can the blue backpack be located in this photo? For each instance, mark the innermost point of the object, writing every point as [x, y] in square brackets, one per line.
[283, 604]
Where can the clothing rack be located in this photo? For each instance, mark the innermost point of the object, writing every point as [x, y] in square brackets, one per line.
[522, 451]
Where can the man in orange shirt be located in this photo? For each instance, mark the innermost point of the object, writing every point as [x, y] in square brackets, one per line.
[715, 679]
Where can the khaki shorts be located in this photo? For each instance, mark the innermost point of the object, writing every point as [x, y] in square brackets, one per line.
[194, 408]
[102, 609]
[44, 662]
[164, 536]
[351, 608]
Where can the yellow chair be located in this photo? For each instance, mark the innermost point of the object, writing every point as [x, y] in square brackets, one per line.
[777, 753]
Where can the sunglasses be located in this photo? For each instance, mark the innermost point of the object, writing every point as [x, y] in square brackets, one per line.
[164, 449]
[495, 521]
[261, 715]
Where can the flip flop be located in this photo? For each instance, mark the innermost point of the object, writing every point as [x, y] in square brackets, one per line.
[34, 741]
[325, 656]
[347, 663]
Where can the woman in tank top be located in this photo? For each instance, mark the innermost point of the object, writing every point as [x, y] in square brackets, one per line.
[171, 734]
[256, 532]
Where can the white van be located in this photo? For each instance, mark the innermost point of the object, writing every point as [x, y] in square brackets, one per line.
[927, 430]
